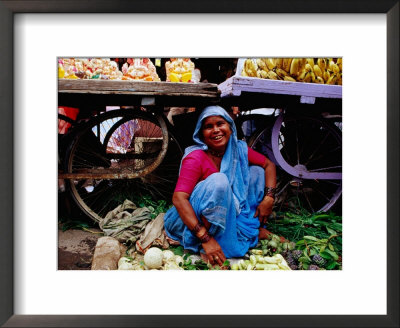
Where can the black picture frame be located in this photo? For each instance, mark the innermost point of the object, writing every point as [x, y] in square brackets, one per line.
[7, 11]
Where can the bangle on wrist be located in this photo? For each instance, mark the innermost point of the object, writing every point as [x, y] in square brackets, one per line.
[205, 238]
[196, 228]
[269, 191]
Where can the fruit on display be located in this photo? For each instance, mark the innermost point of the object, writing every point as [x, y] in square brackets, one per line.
[140, 69]
[309, 70]
[179, 70]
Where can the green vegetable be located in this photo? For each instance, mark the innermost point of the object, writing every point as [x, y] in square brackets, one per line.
[266, 266]
[235, 266]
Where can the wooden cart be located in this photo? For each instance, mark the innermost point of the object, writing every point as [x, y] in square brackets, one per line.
[301, 134]
[113, 155]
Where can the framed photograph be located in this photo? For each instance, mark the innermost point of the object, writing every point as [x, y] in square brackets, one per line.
[34, 34]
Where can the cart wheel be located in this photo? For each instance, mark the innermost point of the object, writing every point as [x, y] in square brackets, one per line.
[308, 152]
[111, 158]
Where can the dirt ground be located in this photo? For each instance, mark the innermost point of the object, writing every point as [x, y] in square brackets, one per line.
[76, 248]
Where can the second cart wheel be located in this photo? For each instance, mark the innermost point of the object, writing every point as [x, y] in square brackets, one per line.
[109, 159]
[308, 154]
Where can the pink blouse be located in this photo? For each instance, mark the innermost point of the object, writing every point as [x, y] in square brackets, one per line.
[197, 166]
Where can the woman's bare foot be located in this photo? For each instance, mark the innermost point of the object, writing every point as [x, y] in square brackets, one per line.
[263, 233]
[170, 241]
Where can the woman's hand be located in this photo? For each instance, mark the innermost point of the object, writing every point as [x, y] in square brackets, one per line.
[264, 209]
[214, 253]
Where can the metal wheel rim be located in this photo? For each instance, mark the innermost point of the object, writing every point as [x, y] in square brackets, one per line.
[140, 173]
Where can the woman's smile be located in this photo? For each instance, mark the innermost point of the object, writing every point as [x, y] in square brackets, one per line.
[216, 132]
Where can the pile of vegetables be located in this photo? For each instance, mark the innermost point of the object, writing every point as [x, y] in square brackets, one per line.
[259, 262]
[316, 242]
[312, 241]
[318, 239]
[294, 226]
[154, 259]
[315, 254]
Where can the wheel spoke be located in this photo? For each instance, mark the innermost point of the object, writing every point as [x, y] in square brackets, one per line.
[321, 193]
[314, 143]
[326, 168]
[282, 143]
[297, 143]
[318, 147]
[112, 144]
[283, 189]
[308, 201]
[333, 182]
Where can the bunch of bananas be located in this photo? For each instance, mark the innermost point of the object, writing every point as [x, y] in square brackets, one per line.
[311, 70]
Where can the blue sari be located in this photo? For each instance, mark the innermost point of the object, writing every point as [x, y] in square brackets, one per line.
[227, 199]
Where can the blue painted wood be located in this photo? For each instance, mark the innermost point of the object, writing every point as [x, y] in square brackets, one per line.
[235, 85]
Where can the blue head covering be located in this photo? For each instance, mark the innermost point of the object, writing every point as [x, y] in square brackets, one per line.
[239, 230]
[234, 163]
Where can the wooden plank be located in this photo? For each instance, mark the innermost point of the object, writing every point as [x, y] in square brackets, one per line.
[92, 100]
[235, 85]
[138, 88]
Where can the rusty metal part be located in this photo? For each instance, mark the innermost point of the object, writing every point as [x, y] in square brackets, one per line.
[107, 173]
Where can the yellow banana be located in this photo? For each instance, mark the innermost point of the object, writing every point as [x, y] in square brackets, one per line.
[317, 70]
[289, 78]
[281, 72]
[312, 76]
[319, 80]
[251, 70]
[246, 66]
[307, 78]
[263, 74]
[294, 66]
[286, 64]
[331, 63]
[321, 62]
[272, 75]
[332, 79]
[270, 63]
[339, 62]
[333, 67]
[308, 67]
[261, 64]
[339, 80]
[326, 76]
[253, 67]
[302, 63]
[279, 62]
[302, 75]
[310, 61]
[244, 72]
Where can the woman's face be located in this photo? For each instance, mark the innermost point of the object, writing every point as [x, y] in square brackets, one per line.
[216, 132]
